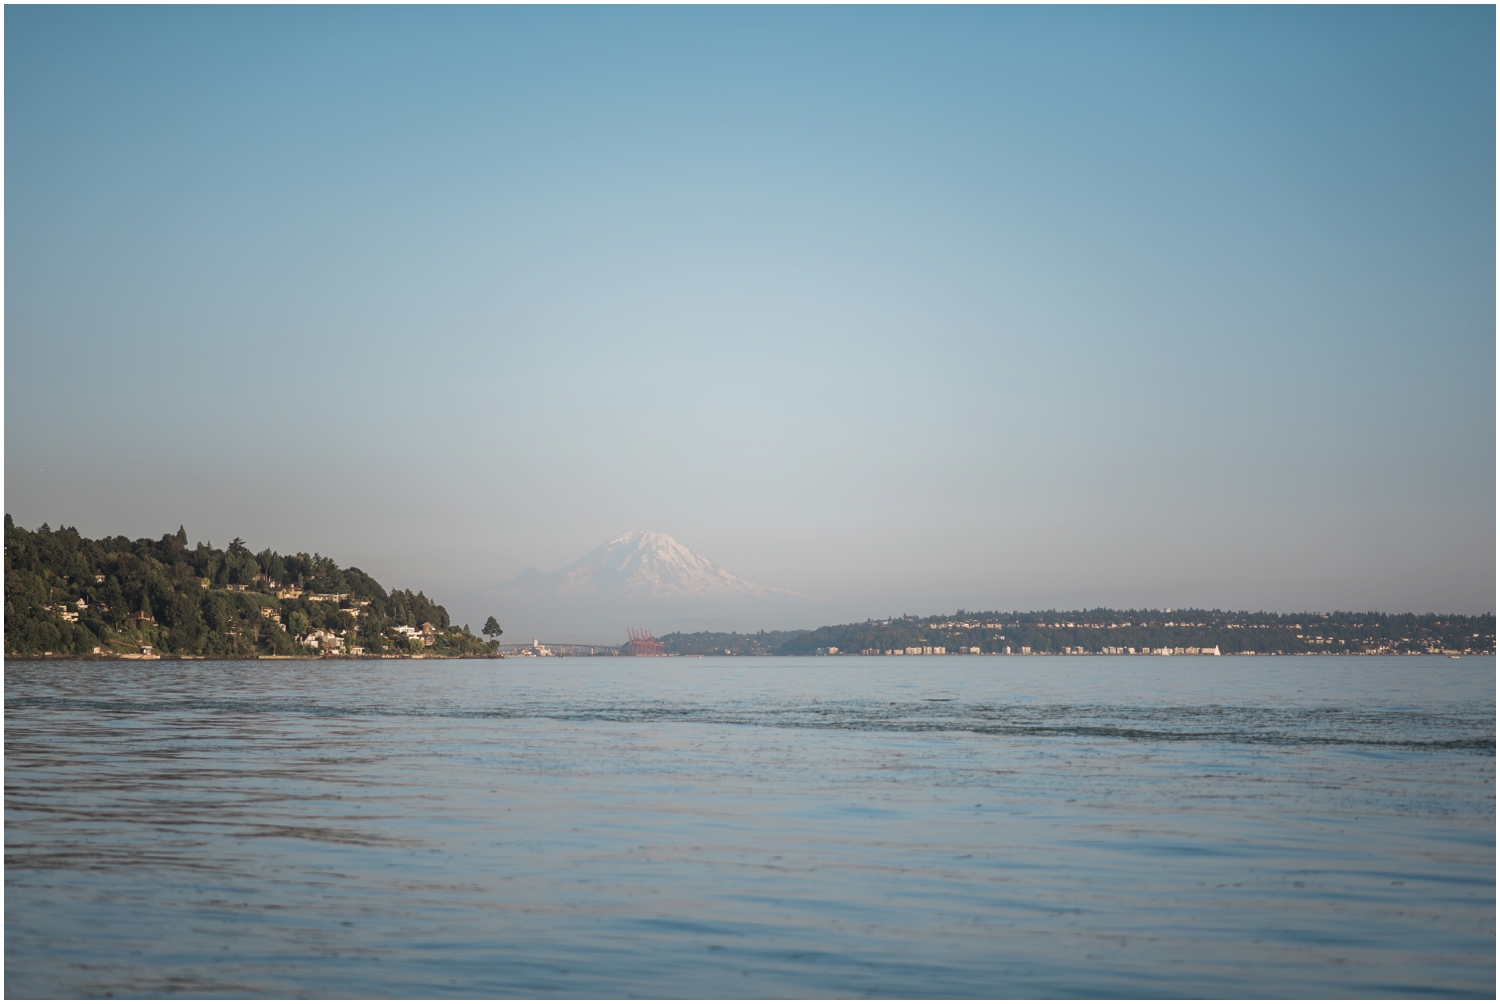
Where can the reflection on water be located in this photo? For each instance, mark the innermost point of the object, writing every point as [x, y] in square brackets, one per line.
[752, 827]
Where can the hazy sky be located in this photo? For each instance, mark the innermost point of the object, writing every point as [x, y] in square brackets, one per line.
[904, 308]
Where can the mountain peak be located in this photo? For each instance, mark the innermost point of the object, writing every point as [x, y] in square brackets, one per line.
[640, 564]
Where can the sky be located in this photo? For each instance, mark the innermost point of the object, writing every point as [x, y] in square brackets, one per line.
[907, 309]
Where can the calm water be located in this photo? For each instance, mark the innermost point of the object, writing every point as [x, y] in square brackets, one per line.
[752, 827]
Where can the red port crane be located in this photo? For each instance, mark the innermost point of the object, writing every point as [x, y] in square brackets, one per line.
[642, 642]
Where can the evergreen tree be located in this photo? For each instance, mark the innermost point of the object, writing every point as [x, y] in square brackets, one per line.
[67, 594]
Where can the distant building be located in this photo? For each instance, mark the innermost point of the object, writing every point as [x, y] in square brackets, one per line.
[426, 633]
[328, 641]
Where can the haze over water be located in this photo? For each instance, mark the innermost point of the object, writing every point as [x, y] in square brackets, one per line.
[752, 827]
[908, 309]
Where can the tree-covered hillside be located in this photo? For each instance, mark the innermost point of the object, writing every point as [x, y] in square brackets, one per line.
[728, 643]
[1125, 631]
[66, 594]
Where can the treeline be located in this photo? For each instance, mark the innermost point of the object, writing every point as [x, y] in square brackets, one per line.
[1104, 630]
[728, 643]
[67, 594]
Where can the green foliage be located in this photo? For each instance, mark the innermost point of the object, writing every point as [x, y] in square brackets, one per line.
[1094, 631]
[65, 594]
[728, 643]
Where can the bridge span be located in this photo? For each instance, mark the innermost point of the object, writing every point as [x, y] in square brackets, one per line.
[536, 647]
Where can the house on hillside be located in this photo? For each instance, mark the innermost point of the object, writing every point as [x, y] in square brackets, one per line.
[426, 633]
[328, 641]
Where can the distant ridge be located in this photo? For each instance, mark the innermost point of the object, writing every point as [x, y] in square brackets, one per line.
[1136, 632]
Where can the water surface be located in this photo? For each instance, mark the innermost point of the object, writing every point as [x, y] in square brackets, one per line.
[960, 826]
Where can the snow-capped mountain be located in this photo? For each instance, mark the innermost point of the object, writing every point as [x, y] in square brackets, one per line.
[641, 580]
[639, 565]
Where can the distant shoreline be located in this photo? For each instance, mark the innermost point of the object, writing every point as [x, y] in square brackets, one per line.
[1104, 631]
[168, 657]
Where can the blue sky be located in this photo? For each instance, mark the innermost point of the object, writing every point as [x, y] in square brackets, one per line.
[904, 308]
